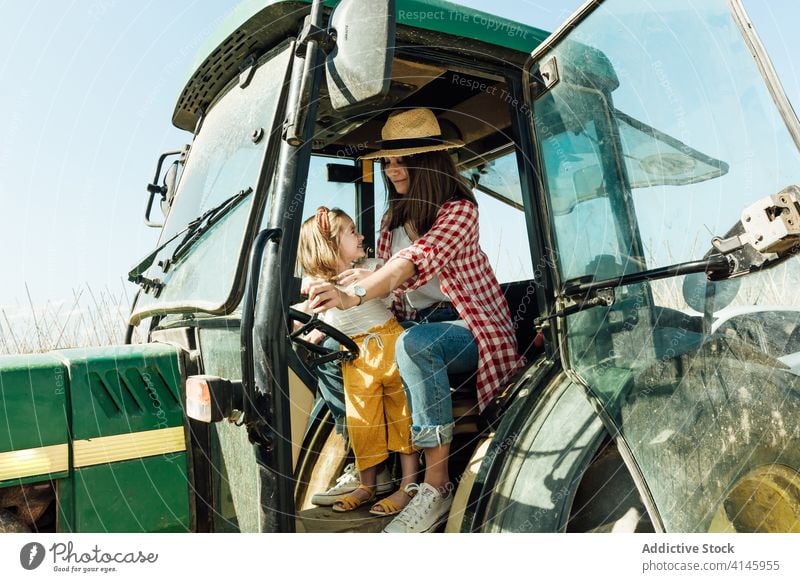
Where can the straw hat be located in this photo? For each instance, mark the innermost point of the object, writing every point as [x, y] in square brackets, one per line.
[411, 132]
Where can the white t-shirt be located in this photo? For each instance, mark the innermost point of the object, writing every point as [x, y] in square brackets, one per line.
[430, 292]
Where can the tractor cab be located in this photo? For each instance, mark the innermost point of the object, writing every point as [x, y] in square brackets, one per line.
[637, 177]
[472, 83]
[624, 204]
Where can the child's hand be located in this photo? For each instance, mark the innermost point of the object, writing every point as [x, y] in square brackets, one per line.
[315, 336]
[305, 308]
[306, 283]
[352, 276]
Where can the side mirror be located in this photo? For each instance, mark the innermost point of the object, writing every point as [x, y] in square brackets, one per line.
[359, 68]
[701, 294]
[170, 181]
[167, 188]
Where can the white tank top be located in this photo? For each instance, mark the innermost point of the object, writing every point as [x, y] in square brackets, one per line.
[430, 292]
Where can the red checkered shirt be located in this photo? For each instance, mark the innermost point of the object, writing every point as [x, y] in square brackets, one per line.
[450, 250]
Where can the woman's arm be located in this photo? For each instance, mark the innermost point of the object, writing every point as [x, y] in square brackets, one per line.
[455, 228]
[324, 296]
[352, 276]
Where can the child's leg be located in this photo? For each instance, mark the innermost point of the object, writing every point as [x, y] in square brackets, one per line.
[367, 476]
[398, 421]
[365, 420]
[366, 427]
[395, 404]
[367, 490]
[394, 503]
[363, 494]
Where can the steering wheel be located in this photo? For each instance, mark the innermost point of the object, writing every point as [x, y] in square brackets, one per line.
[323, 354]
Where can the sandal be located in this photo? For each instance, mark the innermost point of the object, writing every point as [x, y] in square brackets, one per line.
[386, 506]
[350, 502]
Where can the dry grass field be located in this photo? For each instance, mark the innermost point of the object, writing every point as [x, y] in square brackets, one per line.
[91, 317]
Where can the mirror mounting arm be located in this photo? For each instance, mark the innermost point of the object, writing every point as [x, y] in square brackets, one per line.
[326, 40]
[307, 54]
[768, 232]
[585, 292]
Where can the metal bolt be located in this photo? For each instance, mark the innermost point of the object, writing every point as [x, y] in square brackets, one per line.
[257, 134]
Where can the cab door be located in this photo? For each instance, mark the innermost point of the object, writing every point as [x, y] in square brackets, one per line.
[655, 127]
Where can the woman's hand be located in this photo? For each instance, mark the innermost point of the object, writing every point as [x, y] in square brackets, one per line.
[324, 296]
[353, 276]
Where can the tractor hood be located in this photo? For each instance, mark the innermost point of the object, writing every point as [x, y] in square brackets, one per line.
[83, 407]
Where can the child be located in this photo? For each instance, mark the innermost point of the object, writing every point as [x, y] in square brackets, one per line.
[378, 417]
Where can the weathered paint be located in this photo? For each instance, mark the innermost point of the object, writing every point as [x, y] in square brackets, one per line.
[141, 495]
[121, 466]
[254, 26]
[33, 425]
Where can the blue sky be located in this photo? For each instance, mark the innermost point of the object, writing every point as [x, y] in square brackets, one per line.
[87, 90]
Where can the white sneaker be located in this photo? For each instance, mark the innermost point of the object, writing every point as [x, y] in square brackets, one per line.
[423, 513]
[349, 482]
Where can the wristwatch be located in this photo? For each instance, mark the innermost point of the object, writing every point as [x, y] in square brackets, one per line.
[360, 293]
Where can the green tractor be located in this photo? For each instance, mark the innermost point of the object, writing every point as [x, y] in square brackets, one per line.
[636, 172]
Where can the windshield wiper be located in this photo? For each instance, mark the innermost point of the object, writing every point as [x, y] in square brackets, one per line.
[200, 225]
[587, 293]
[192, 231]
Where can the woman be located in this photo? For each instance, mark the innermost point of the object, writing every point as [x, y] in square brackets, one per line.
[429, 240]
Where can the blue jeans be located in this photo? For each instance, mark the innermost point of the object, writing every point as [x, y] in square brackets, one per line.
[331, 386]
[425, 354]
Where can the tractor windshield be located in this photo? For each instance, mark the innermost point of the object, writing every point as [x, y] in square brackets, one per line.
[658, 133]
[198, 267]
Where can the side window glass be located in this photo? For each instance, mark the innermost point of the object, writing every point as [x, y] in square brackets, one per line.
[581, 201]
[320, 192]
[504, 239]
[380, 199]
[503, 232]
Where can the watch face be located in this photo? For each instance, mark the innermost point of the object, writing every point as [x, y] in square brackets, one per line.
[359, 290]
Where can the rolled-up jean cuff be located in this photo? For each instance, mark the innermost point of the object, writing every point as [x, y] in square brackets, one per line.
[428, 437]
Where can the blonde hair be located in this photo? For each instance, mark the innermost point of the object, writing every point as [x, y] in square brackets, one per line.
[318, 249]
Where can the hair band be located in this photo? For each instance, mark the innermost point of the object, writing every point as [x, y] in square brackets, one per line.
[323, 222]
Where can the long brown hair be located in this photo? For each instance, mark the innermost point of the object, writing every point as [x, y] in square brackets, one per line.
[433, 180]
[318, 248]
